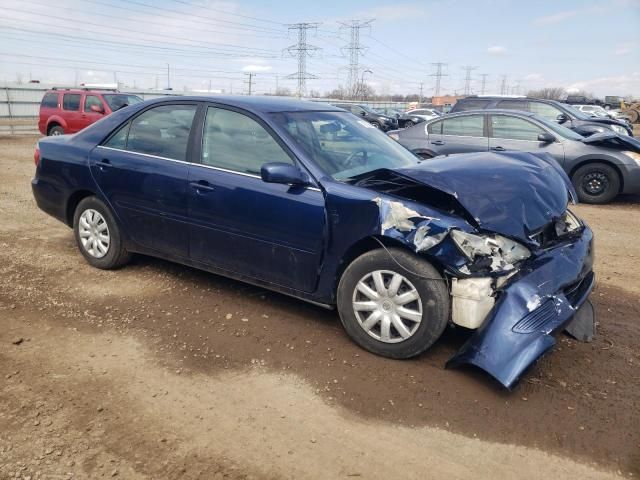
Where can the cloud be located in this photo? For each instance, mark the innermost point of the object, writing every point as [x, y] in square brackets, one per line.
[555, 18]
[497, 50]
[386, 13]
[256, 68]
[615, 85]
[534, 77]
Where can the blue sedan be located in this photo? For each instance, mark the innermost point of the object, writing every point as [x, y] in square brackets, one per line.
[310, 201]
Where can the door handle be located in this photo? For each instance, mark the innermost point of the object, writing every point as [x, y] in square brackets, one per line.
[438, 142]
[498, 148]
[104, 164]
[202, 186]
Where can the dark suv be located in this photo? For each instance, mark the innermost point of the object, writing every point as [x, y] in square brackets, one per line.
[562, 113]
[378, 120]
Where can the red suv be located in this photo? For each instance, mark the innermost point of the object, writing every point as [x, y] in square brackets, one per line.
[71, 110]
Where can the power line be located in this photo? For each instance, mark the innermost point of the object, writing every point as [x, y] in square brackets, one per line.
[467, 79]
[302, 50]
[354, 48]
[438, 74]
[246, 50]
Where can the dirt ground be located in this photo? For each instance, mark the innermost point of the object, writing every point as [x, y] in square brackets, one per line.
[161, 371]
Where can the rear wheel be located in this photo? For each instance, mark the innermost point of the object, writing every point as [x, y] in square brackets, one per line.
[596, 183]
[98, 235]
[393, 303]
[56, 130]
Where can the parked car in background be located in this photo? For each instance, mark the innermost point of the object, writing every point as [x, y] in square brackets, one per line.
[405, 120]
[308, 200]
[598, 111]
[581, 100]
[70, 110]
[600, 166]
[561, 113]
[378, 120]
[424, 113]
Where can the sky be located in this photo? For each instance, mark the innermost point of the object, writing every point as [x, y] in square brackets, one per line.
[208, 44]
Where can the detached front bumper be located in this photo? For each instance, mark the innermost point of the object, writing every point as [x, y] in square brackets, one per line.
[536, 304]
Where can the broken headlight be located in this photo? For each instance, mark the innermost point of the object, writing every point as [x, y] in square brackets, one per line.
[566, 224]
[493, 252]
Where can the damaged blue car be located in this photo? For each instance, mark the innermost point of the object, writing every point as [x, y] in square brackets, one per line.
[310, 201]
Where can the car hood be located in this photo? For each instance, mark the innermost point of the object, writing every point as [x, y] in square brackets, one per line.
[612, 139]
[607, 121]
[515, 194]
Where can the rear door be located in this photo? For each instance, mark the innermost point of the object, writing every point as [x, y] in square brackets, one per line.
[71, 112]
[268, 231]
[142, 171]
[516, 133]
[462, 134]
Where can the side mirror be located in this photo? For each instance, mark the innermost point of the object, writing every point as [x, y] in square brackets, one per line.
[562, 118]
[96, 108]
[546, 138]
[280, 172]
[363, 113]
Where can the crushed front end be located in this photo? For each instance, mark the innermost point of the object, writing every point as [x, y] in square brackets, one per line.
[545, 294]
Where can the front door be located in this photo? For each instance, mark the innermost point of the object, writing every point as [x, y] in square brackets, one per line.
[142, 171]
[515, 133]
[267, 231]
[88, 115]
[462, 134]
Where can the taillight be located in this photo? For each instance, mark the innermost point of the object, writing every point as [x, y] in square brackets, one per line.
[36, 155]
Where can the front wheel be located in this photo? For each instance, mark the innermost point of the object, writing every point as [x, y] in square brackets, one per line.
[98, 235]
[393, 303]
[376, 124]
[596, 183]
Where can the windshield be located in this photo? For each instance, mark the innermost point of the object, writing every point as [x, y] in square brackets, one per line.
[118, 100]
[580, 115]
[559, 129]
[343, 145]
[367, 108]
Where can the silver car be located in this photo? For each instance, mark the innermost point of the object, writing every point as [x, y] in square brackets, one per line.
[600, 166]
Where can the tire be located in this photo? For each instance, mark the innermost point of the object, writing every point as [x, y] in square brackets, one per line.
[376, 124]
[424, 155]
[596, 183]
[433, 301]
[56, 130]
[409, 124]
[92, 218]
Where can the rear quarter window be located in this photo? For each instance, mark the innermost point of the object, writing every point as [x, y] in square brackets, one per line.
[512, 105]
[475, 104]
[50, 100]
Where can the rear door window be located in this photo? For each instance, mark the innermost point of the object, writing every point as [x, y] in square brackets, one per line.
[514, 128]
[50, 100]
[467, 126]
[71, 101]
[161, 131]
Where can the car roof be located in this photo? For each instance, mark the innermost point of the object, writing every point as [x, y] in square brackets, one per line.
[507, 111]
[261, 104]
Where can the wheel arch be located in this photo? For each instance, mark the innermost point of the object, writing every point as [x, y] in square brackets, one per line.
[375, 242]
[55, 121]
[587, 161]
[72, 203]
